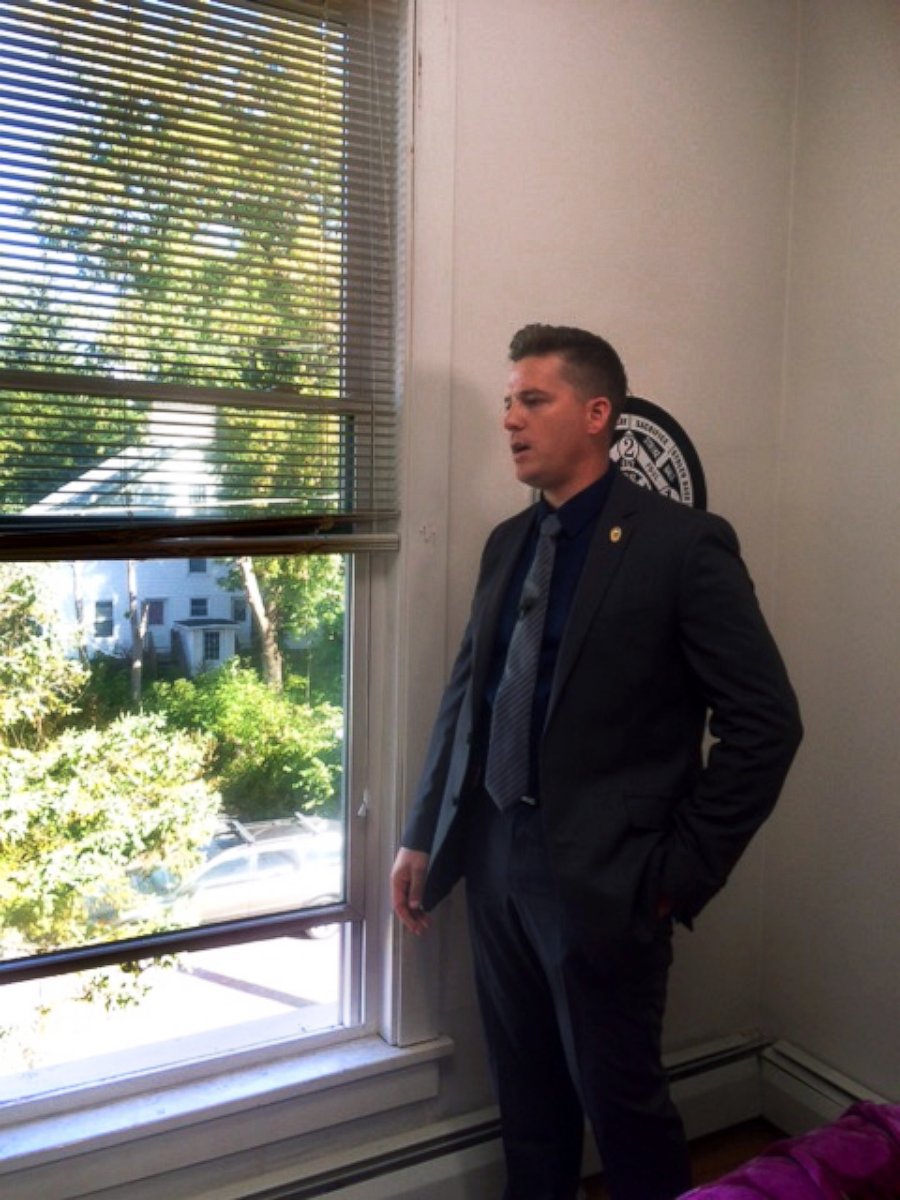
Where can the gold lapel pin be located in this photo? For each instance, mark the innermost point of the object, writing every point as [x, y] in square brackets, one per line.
[615, 534]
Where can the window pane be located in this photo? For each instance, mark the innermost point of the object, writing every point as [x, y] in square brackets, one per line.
[156, 612]
[252, 994]
[103, 619]
[170, 777]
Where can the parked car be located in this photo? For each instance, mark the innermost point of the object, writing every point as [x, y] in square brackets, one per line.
[264, 867]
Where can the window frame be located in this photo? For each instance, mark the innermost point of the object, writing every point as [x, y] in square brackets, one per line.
[156, 607]
[104, 626]
[350, 912]
[212, 639]
[363, 1018]
[315, 1088]
[198, 541]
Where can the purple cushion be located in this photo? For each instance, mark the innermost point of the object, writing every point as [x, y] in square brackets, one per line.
[855, 1158]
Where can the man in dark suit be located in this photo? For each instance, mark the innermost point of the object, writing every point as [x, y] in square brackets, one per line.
[622, 821]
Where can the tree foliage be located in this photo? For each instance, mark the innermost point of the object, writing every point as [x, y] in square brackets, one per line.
[304, 600]
[214, 228]
[272, 756]
[81, 809]
[189, 221]
[83, 813]
[39, 681]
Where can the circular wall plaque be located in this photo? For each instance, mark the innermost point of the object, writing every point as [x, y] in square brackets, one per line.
[653, 450]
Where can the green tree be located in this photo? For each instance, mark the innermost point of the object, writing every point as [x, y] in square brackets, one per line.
[202, 202]
[298, 602]
[81, 810]
[271, 756]
[82, 814]
[39, 681]
[35, 333]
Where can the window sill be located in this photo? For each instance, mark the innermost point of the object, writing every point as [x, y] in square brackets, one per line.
[119, 1141]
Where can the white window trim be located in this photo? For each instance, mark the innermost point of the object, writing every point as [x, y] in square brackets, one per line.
[57, 1147]
[423, 660]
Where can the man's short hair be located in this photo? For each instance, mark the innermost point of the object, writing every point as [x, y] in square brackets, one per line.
[592, 365]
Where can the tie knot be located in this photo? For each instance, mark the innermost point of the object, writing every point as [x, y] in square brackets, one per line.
[551, 526]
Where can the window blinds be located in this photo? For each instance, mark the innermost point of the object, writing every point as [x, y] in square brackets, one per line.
[197, 260]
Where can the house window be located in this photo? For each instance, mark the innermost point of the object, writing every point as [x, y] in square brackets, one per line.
[156, 612]
[238, 609]
[211, 648]
[198, 324]
[103, 619]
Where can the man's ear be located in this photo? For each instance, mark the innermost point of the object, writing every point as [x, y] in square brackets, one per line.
[599, 415]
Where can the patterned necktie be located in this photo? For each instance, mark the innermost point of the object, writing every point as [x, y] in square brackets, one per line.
[509, 749]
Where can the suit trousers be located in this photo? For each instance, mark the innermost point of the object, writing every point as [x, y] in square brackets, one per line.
[570, 1030]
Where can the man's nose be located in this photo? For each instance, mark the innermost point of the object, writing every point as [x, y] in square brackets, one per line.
[512, 418]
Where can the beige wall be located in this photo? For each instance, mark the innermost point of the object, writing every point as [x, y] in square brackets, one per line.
[629, 166]
[832, 885]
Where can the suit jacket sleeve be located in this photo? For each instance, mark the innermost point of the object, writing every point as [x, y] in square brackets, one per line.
[445, 773]
[754, 721]
[418, 833]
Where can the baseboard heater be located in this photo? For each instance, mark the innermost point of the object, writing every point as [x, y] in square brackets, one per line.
[393, 1162]
[714, 1085]
[799, 1092]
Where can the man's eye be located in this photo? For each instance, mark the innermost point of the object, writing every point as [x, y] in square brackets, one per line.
[526, 401]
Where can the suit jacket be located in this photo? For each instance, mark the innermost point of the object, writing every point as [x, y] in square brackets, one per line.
[664, 635]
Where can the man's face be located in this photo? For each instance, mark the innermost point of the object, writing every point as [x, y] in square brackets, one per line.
[557, 437]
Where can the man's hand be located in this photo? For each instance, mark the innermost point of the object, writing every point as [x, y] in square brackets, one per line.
[407, 885]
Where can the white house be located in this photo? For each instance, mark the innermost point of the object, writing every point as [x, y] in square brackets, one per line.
[192, 613]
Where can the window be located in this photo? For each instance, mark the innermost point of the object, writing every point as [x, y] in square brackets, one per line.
[156, 612]
[197, 332]
[238, 609]
[103, 618]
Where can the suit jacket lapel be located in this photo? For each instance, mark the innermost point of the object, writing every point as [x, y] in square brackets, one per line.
[607, 551]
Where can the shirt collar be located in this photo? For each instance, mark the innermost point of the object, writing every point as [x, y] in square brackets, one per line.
[584, 507]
